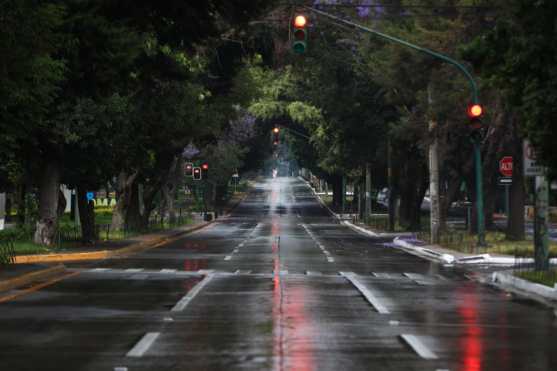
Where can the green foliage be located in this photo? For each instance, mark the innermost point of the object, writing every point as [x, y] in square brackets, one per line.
[519, 57]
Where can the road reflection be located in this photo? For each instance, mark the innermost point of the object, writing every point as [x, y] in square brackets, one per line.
[193, 265]
[470, 343]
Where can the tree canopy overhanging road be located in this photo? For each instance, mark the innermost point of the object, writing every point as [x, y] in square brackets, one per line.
[122, 118]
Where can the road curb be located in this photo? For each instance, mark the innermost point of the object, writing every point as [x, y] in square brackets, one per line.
[333, 214]
[106, 254]
[424, 252]
[541, 293]
[24, 279]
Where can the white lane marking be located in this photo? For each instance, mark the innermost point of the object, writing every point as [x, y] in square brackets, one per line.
[319, 244]
[133, 270]
[379, 307]
[228, 257]
[418, 346]
[143, 345]
[313, 273]
[168, 319]
[235, 251]
[168, 270]
[181, 305]
[100, 269]
[415, 276]
[241, 245]
[394, 323]
[120, 369]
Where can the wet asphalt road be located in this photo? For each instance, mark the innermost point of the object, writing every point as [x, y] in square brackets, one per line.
[279, 285]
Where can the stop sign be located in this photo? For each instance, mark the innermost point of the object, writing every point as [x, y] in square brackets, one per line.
[506, 166]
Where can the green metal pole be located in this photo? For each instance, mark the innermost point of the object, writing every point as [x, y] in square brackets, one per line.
[475, 100]
[479, 192]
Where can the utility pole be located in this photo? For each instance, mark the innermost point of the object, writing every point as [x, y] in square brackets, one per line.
[475, 101]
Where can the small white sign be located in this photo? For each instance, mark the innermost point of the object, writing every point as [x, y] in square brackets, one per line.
[531, 167]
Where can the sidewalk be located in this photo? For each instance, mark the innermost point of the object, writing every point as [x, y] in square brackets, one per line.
[32, 268]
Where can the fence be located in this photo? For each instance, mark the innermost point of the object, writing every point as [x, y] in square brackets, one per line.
[7, 252]
[72, 233]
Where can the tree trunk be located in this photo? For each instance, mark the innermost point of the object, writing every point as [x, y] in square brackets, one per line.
[368, 191]
[337, 192]
[20, 205]
[124, 191]
[169, 209]
[49, 186]
[132, 217]
[447, 199]
[412, 190]
[86, 216]
[435, 210]
[61, 203]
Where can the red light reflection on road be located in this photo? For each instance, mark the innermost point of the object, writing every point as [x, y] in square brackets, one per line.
[300, 330]
[196, 245]
[193, 265]
[290, 305]
[471, 344]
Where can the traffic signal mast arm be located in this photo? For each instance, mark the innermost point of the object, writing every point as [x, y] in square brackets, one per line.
[434, 54]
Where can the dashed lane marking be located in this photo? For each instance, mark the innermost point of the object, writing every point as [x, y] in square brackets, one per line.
[375, 303]
[418, 346]
[330, 259]
[143, 345]
[183, 303]
[168, 270]
[228, 257]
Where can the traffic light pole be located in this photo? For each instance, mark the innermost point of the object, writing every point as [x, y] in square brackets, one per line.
[475, 100]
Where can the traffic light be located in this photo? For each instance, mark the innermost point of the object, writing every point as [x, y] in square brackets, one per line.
[205, 170]
[475, 112]
[276, 134]
[196, 173]
[189, 169]
[299, 34]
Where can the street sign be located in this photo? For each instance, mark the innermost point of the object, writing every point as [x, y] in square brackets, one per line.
[506, 166]
[90, 196]
[531, 167]
[505, 181]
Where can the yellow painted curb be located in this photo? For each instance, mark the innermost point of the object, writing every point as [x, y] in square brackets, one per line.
[24, 279]
[45, 258]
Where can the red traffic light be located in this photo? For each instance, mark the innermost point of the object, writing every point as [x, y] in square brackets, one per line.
[205, 166]
[475, 111]
[300, 21]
